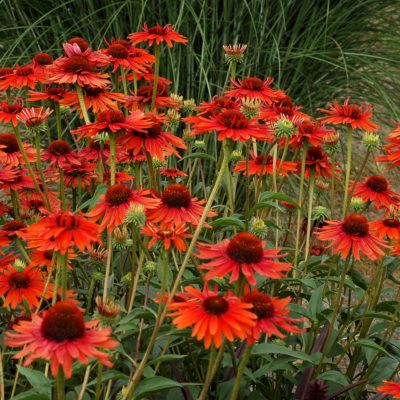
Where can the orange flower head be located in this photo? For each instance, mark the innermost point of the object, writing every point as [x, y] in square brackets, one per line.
[157, 34]
[82, 43]
[43, 59]
[245, 254]
[358, 117]
[390, 389]
[317, 159]
[10, 111]
[60, 337]
[388, 227]
[212, 316]
[168, 235]
[272, 313]
[352, 236]
[377, 190]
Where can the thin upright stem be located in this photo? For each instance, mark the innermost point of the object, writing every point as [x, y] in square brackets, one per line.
[82, 104]
[349, 143]
[242, 365]
[311, 186]
[156, 73]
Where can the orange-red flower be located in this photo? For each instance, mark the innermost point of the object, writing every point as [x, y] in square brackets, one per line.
[60, 154]
[33, 117]
[392, 149]
[10, 153]
[79, 175]
[308, 132]
[143, 97]
[114, 205]
[282, 108]
[317, 159]
[231, 124]
[157, 34]
[10, 111]
[61, 336]
[390, 388]
[21, 76]
[114, 121]
[377, 190]
[243, 254]
[18, 286]
[358, 117]
[62, 231]
[171, 173]
[264, 164]
[78, 68]
[153, 139]
[388, 227]
[212, 316]
[177, 206]
[352, 236]
[96, 99]
[216, 106]
[272, 315]
[169, 235]
[255, 88]
[54, 93]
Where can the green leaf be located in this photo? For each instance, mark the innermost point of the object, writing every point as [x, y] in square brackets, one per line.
[167, 357]
[89, 204]
[371, 345]
[269, 348]
[265, 196]
[39, 381]
[227, 221]
[199, 155]
[334, 376]
[154, 385]
[316, 303]
[31, 395]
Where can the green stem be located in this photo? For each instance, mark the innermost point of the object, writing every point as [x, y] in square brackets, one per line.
[233, 70]
[98, 381]
[227, 146]
[247, 203]
[310, 205]
[15, 202]
[113, 158]
[153, 180]
[58, 120]
[63, 260]
[242, 365]
[300, 203]
[82, 104]
[60, 385]
[349, 143]
[108, 266]
[62, 189]
[156, 73]
[333, 188]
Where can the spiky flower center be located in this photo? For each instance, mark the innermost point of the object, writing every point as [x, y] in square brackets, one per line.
[176, 196]
[13, 226]
[157, 30]
[59, 148]
[48, 254]
[77, 64]
[11, 108]
[63, 321]
[263, 159]
[6, 71]
[55, 91]
[263, 306]
[245, 248]
[93, 92]
[351, 111]
[111, 117]
[306, 128]
[154, 131]
[43, 58]
[19, 280]
[122, 42]
[68, 221]
[24, 71]
[285, 106]
[356, 225]
[377, 183]
[233, 119]
[391, 223]
[10, 142]
[82, 43]
[252, 83]
[216, 305]
[315, 154]
[118, 194]
[118, 51]
[224, 102]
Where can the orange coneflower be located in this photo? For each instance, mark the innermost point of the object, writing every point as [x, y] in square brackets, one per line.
[22, 76]
[377, 190]
[217, 105]
[212, 316]
[272, 315]
[77, 68]
[61, 336]
[62, 230]
[114, 205]
[60, 154]
[13, 228]
[157, 34]
[33, 117]
[169, 235]
[264, 164]
[171, 173]
[10, 153]
[282, 108]
[79, 175]
[255, 88]
[54, 93]
[153, 139]
[143, 97]
[10, 111]
[358, 117]
[18, 286]
[177, 206]
[308, 132]
[114, 121]
[388, 227]
[390, 388]
[392, 149]
[231, 124]
[39, 60]
[317, 159]
[95, 99]
[15, 179]
[243, 254]
[352, 236]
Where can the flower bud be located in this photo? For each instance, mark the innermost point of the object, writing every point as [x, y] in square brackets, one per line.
[284, 128]
[371, 140]
[135, 215]
[188, 105]
[199, 145]
[234, 53]
[258, 227]
[357, 204]
[149, 268]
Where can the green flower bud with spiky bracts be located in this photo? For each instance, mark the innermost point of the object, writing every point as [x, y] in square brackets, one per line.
[258, 227]
[371, 140]
[126, 280]
[177, 99]
[149, 268]
[188, 105]
[121, 240]
[236, 155]
[320, 213]
[284, 128]
[98, 276]
[199, 145]
[234, 53]
[250, 107]
[19, 265]
[135, 215]
[331, 142]
[158, 163]
[357, 204]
